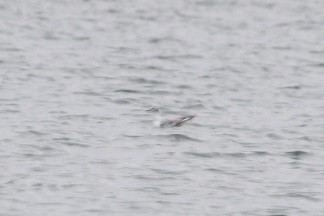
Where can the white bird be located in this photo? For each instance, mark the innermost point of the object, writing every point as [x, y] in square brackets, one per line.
[162, 122]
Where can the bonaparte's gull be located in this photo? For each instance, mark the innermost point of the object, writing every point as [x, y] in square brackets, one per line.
[162, 122]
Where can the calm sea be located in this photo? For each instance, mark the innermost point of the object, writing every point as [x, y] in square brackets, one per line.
[77, 76]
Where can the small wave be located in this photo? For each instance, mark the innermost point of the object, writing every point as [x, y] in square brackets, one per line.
[89, 93]
[184, 137]
[297, 154]
[11, 181]
[75, 116]
[175, 57]
[274, 136]
[180, 137]
[155, 68]
[204, 155]
[165, 57]
[124, 101]
[219, 107]
[161, 92]
[127, 66]
[164, 171]
[194, 106]
[305, 138]
[184, 86]
[127, 91]
[70, 143]
[9, 111]
[304, 196]
[34, 132]
[318, 65]
[146, 81]
[296, 87]
[230, 155]
[62, 139]
[261, 153]
[215, 170]
[190, 56]
[81, 38]
[163, 40]
[131, 136]
[32, 155]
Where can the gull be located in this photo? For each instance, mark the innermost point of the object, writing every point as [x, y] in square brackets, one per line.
[162, 122]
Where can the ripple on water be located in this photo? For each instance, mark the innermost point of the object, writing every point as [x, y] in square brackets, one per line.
[306, 196]
[295, 87]
[226, 155]
[172, 172]
[179, 137]
[70, 142]
[124, 100]
[177, 57]
[37, 133]
[74, 116]
[141, 80]
[301, 195]
[251, 116]
[161, 92]
[204, 155]
[297, 154]
[8, 111]
[155, 68]
[156, 40]
[88, 93]
[182, 86]
[129, 91]
[199, 106]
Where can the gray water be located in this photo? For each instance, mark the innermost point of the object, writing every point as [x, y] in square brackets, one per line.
[77, 77]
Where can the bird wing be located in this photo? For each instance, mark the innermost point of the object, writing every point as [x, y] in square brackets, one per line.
[176, 122]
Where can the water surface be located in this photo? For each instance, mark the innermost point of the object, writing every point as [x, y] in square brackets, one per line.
[77, 76]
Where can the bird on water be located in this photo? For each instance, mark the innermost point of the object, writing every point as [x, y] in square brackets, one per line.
[162, 122]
